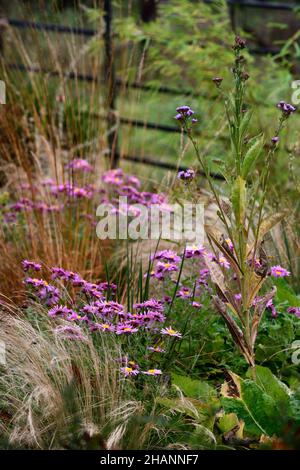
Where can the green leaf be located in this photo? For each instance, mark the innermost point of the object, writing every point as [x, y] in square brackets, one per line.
[256, 403]
[245, 123]
[252, 156]
[227, 422]
[238, 199]
[285, 293]
[271, 385]
[194, 388]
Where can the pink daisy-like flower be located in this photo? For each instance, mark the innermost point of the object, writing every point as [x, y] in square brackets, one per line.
[103, 327]
[60, 310]
[194, 251]
[129, 371]
[229, 243]
[167, 255]
[31, 265]
[150, 304]
[36, 282]
[170, 332]
[163, 268]
[294, 311]
[115, 177]
[196, 305]
[223, 262]
[73, 316]
[271, 307]
[152, 372]
[80, 164]
[133, 180]
[125, 328]
[278, 271]
[184, 293]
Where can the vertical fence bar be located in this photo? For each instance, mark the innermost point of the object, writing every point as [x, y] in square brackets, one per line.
[232, 11]
[110, 81]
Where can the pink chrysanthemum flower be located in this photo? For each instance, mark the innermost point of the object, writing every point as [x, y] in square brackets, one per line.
[115, 177]
[80, 164]
[294, 311]
[31, 265]
[184, 293]
[163, 268]
[194, 251]
[170, 332]
[60, 310]
[229, 244]
[133, 180]
[36, 282]
[278, 271]
[223, 262]
[129, 371]
[196, 304]
[150, 304]
[104, 326]
[167, 255]
[152, 372]
[126, 329]
[73, 316]
[271, 307]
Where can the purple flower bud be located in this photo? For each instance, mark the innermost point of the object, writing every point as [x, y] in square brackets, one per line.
[183, 109]
[286, 108]
[239, 43]
[217, 81]
[186, 175]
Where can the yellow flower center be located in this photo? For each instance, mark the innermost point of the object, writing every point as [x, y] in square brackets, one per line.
[128, 369]
[151, 371]
[104, 325]
[169, 330]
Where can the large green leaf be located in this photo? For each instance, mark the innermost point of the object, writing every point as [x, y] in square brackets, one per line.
[285, 293]
[251, 157]
[256, 405]
[272, 386]
[194, 388]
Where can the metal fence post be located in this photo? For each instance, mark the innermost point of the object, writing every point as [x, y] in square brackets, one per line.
[110, 80]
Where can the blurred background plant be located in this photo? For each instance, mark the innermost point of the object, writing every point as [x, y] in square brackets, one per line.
[62, 395]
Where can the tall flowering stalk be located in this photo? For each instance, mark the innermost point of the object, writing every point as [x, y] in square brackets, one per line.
[240, 244]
